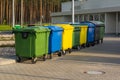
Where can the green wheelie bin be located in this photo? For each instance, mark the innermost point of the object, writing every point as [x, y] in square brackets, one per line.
[31, 42]
[17, 27]
[99, 30]
[76, 36]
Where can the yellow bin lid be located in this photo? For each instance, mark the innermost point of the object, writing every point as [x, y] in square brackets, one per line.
[65, 26]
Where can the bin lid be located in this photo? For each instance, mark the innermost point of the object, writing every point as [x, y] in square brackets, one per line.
[79, 25]
[98, 23]
[17, 27]
[65, 26]
[54, 28]
[32, 29]
[76, 26]
[90, 24]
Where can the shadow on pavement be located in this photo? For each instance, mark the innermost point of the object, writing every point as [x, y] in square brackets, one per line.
[108, 47]
[111, 46]
[91, 59]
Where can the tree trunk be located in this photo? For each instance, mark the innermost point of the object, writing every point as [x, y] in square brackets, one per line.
[41, 11]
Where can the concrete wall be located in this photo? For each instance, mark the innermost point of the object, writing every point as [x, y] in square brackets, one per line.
[61, 19]
[93, 4]
[66, 6]
[119, 23]
[90, 4]
[112, 20]
[58, 19]
[110, 23]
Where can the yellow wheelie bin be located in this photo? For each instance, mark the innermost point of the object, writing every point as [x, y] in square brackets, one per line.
[83, 35]
[66, 37]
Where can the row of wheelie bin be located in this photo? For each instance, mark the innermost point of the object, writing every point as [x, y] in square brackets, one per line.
[95, 32]
[38, 41]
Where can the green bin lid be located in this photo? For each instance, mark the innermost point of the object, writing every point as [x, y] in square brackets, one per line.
[17, 27]
[76, 26]
[32, 29]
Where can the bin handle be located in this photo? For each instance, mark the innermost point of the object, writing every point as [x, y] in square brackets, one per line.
[25, 35]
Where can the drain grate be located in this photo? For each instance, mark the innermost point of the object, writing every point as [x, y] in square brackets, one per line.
[95, 72]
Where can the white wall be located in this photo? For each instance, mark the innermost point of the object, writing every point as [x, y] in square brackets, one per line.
[110, 23]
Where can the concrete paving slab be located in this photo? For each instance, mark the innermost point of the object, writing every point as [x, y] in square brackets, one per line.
[6, 61]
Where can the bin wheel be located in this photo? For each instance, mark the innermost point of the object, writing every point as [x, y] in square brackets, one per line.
[34, 60]
[93, 44]
[64, 52]
[59, 54]
[70, 50]
[50, 56]
[101, 40]
[78, 47]
[88, 45]
[84, 45]
[44, 57]
[18, 59]
[98, 41]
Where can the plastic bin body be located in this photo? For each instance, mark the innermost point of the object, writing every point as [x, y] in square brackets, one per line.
[99, 30]
[90, 37]
[83, 34]
[91, 31]
[76, 35]
[102, 31]
[55, 39]
[31, 42]
[66, 36]
[97, 33]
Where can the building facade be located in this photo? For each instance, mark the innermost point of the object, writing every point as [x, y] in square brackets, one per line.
[107, 11]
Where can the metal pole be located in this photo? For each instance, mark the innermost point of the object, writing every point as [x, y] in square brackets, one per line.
[41, 12]
[117, 24]
[21, 12]
[73, 13]
[13, 12]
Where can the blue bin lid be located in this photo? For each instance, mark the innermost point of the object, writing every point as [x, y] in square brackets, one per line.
[55, 28]
[90, 24]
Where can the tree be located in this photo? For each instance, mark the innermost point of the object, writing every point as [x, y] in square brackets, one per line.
[33, 10]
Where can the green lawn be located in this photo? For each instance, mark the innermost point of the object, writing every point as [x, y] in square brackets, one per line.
[5, 28]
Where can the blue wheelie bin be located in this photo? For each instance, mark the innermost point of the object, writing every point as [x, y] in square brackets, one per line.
[90, 33]
[55, 40]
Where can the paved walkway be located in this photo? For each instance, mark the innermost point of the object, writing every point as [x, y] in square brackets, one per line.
[104, 57]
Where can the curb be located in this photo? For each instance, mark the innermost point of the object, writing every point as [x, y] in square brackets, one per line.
[6, 61]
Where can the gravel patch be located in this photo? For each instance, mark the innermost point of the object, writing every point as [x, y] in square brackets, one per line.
[7, 51]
